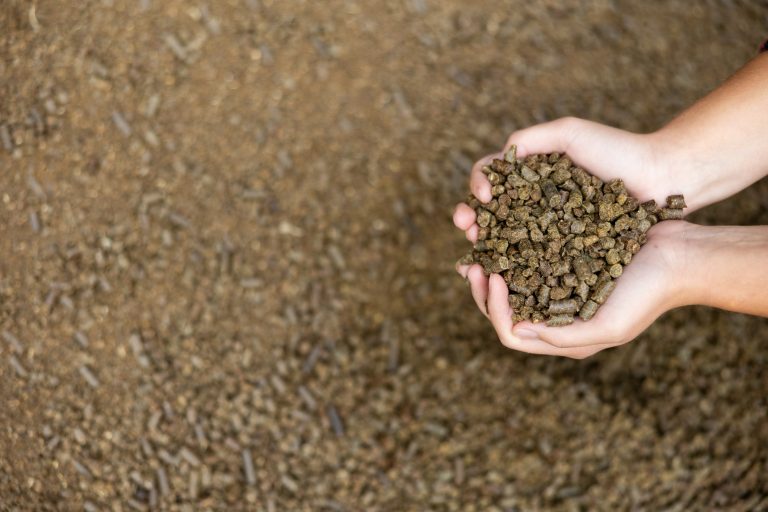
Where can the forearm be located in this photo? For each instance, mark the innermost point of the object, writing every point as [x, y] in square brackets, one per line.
[717, 147]
[725, 267]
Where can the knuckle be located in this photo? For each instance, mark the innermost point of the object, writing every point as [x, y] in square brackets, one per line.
[569, 121]
[570, 126]
[507, 342]
[477, 170]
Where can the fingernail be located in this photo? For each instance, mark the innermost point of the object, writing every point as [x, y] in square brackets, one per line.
[525, 334]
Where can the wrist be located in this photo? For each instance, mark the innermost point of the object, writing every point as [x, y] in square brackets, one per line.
[680, 249]
[700, 272]
[723, 267]
[689, 161]
[674, 167]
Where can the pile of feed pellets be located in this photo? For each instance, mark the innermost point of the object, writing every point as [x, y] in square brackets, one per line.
[559, 236]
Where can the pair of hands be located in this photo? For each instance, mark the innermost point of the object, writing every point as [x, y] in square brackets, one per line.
[649, 286]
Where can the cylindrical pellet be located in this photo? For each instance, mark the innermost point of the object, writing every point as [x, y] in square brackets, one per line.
[617, 186]
[543, 295]
[603, 290]
[529, 175]
[644, 225]
[582, 290]
[560, 307]
[560, 320]
[560, 293]
[577, 227]
[676, 201]
[650, 206]
[581, 268]
[612, 257]
[511, 154]
[516, 301]
[570, 280]
[549, 189]
[515, 235]
[497, 190]
[671, 214]
[517, 288]
[483, 218]
[633, 246]
[588, 310]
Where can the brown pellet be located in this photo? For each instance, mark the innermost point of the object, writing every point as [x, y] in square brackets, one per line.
[671, 214]
[676, 201]
[560, 320]
[603, 290]
[581, 268]
[650, 206]
[559, 293]
[612, 257]
[582, 290]
[588, 310]
[560, 307]
[543, 295]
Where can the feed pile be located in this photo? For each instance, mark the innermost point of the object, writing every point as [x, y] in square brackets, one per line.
[559, 236]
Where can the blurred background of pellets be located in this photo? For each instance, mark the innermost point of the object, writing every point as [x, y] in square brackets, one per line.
[226, 261]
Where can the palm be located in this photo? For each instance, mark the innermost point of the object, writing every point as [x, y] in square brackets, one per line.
[639, 298]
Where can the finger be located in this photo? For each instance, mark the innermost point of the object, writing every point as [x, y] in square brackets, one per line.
[499, 310]
[587, 143]
[464, 216]
[539, 347]
[500, 314]
[478, 183]
[551, 137]
[617, 321]
[479, 286]
[462, 270]
[471, 233]
[579, 334]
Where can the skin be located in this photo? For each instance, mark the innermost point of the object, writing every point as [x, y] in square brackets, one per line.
[682, 263]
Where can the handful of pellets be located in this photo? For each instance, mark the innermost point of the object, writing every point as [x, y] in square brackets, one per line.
[559, 236]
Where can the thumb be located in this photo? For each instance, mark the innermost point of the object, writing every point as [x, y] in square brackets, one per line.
[550, 137]
[588, 144]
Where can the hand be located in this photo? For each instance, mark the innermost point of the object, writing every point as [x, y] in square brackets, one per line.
[643, 292]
